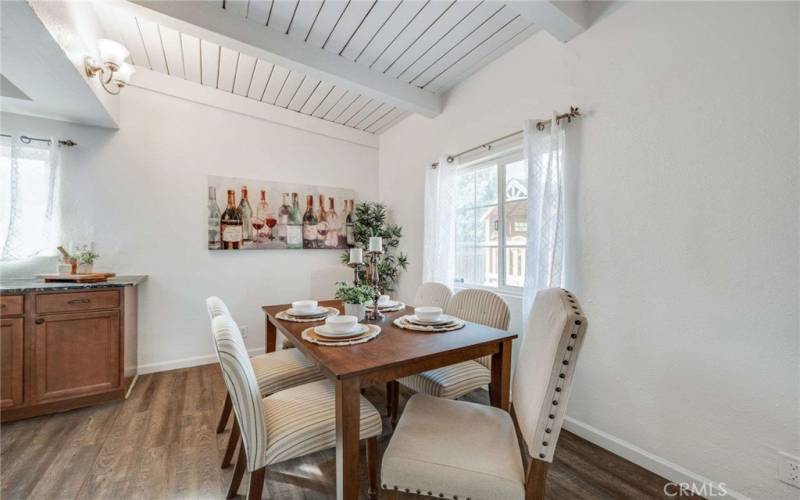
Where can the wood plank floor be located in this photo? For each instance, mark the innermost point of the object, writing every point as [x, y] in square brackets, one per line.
[161, 444]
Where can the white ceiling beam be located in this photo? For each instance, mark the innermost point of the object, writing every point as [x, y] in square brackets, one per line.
[208, 21]
[563, 19]
[155, 81]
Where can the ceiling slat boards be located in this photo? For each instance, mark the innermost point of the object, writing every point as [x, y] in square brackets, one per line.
[431, 45]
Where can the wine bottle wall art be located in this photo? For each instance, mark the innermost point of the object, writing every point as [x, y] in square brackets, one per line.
[250, 214]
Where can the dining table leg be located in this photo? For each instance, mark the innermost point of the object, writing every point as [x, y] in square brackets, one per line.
[501, 376]
[348, 422]
[271, 336]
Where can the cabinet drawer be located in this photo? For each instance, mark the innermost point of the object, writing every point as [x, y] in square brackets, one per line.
[76, 301]
[11, 305]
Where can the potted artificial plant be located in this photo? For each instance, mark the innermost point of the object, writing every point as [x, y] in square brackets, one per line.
[85, 260]
[354, 298]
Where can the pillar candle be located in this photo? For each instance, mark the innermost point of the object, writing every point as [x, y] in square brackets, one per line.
[356, 256]
[375, 244]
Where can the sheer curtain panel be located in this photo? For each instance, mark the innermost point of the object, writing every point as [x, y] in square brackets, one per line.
[28, 198]
[544, 260]
[438, 263]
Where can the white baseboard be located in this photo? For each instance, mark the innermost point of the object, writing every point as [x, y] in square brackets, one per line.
[163, 366]
[643, 458]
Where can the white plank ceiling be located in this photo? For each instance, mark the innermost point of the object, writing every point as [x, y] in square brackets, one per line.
[431, 45]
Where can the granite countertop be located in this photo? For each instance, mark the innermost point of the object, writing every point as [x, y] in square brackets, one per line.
[37, 285]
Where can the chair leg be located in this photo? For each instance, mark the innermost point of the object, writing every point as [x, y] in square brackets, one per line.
[238, 472]
[535, 480]
[395, 402]
[256, 484]
[389, 401]
[232, 442]
[226, 413]
[372, 466]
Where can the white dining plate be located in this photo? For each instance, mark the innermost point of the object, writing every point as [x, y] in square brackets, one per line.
[324, 331]
[319, 311]
[444, 319]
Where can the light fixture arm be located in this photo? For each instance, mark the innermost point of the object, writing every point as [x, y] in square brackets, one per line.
[113, 72]
[104, 73]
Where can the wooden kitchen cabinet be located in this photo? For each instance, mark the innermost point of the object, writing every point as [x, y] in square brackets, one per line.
[66, 348]
[11, 362]
[76, 354]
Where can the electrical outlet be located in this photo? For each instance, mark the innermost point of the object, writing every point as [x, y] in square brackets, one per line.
[243, 329]
[789, 469]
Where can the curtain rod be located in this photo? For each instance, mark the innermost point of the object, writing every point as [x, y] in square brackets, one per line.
[574, 112]
[27, 140]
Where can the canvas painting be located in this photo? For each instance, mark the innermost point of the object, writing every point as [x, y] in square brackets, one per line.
[245, 214]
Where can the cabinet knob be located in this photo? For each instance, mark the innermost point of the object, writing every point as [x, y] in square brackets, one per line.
[39, 321]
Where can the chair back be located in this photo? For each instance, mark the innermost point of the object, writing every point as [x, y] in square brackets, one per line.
[240, 380]
[546, 363]
[480, 306]
[323, 281]
[216, 307]
[433, 294]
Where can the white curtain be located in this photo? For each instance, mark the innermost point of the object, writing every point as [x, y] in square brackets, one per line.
[544, 259]
[28, 198]
[438, 263]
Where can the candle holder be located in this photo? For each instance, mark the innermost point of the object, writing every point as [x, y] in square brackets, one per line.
[373, 279]
[356, 273]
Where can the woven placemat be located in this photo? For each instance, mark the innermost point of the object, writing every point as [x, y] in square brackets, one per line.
[371, 333]
[284, 315]
[403, 323]
[399, 307]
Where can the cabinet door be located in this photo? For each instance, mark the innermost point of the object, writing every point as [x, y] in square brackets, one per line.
[11, 354]
[75, 355]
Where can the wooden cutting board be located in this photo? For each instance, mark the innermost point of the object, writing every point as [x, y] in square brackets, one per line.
[76, 278]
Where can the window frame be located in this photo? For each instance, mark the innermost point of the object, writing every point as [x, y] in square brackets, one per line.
[499, 159]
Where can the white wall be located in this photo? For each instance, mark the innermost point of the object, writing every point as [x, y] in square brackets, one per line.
[686, 258]
[140, 193]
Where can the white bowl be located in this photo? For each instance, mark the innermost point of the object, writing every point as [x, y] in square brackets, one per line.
[428, 313]
[341, 324]
[383, 299]
[304, 306]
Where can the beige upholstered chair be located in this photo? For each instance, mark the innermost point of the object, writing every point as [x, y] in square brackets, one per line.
[459, 450]
[285, 425]
[451, 382]
[274, 371]
[433, 294]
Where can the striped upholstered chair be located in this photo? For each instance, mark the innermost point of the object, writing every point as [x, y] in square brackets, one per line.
[274, 372]
[453, 381]
[284, 425]
[430, 293]
[433, 294]
[459, 450]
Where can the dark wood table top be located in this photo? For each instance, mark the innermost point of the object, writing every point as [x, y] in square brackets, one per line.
[394, 347]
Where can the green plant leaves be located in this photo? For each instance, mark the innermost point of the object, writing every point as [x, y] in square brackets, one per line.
[371, 220]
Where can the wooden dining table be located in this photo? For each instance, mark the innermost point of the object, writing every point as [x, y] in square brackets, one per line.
[393, 354]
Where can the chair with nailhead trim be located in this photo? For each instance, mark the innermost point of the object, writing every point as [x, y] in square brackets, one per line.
[461, 450]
